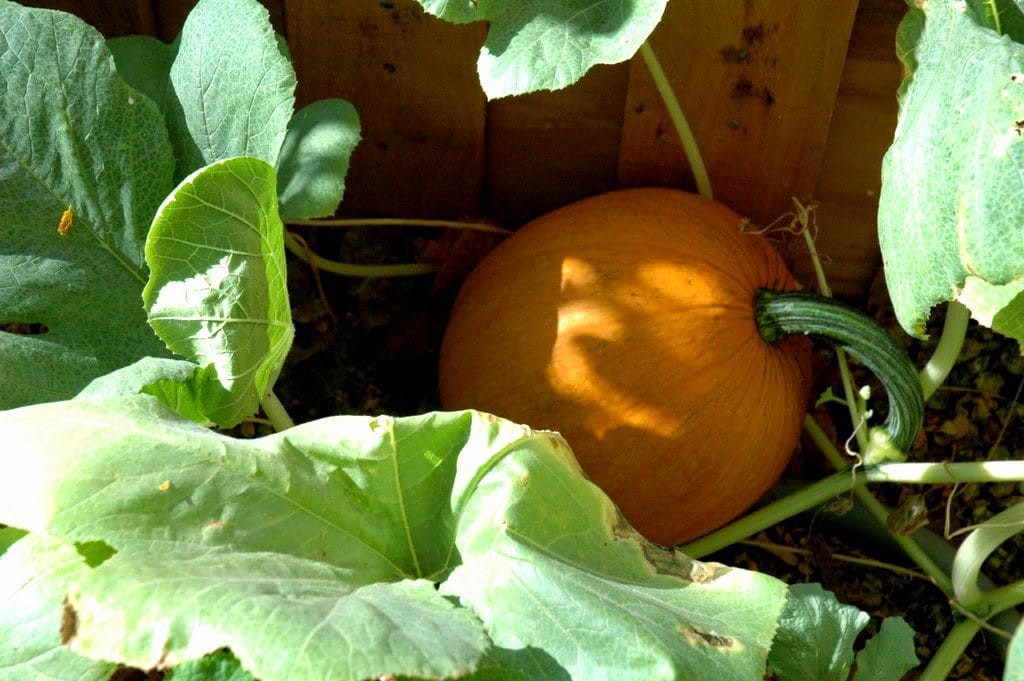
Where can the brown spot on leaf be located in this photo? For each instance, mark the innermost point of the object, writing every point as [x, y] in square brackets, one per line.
[68, 622]
[699, 637]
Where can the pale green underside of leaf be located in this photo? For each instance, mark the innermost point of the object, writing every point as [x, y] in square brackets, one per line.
[950, 207]
[34, 575]
[217, 293]
[72, 134]
[188, 389]
[1000, 308]
[816, 636]
[257, 541]
[889, 654]
[542, 45]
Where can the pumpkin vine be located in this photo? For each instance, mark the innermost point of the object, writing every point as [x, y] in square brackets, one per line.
[781, 314]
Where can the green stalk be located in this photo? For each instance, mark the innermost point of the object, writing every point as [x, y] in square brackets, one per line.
[946, 473]
[402, 222]
[1005, 597]
[954, 330]
[299, 248]
[675, 113]
[783, 313]
[853, 401]
[276, 413]
[951, 650]
[880, 513]
[807, 498]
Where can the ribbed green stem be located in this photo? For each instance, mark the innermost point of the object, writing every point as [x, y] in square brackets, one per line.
[785, 313]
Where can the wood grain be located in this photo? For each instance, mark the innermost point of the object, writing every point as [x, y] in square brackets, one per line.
[757, 80]
[548, 149]
[413, 80]
[112, 18]
[862, 130]
[171, 14]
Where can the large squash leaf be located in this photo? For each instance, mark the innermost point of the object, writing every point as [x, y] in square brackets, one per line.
[546, 45]
[327, 536]
[73, 136]
[217, 292]
[949, 214]
[34, 574]
[585, 587]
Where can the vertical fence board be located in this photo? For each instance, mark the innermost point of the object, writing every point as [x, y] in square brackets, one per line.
[413, 80]
[170, 15]
[547, 149]
[757, 80]
[862, 129]
[112, 18]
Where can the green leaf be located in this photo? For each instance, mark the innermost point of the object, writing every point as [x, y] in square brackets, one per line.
[8, 537]
[145, 64]
[185, 387]
[1002, 16]
[217, 292]
[220, 666]
[33, 578]
[889, 654]
[548, 562]
[284, 617]
[72, 134]
[542, 45]
[234, 86]
[524, 664]
[816, 636]
[257, 544]
[949, 218]
[315, 157]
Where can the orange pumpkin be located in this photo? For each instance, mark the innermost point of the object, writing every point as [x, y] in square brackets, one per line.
[626, 322]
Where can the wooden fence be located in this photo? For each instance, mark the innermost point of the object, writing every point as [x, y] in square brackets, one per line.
[787, 99]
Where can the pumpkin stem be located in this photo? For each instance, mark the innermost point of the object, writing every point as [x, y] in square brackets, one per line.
[784, 313]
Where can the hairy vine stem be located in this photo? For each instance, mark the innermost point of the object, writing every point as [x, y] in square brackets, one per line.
[299, 247]
[675, 112]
